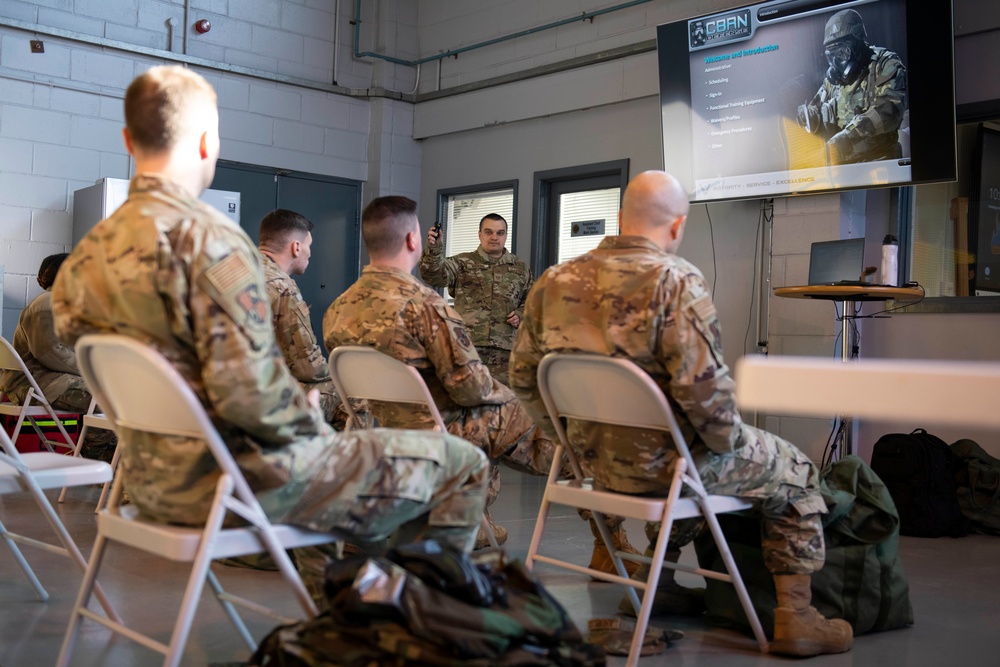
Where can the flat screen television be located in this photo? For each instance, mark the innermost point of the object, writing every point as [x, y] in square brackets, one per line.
[806, 96]
[984, 212]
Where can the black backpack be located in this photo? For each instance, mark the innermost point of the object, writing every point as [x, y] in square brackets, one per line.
[919, 471]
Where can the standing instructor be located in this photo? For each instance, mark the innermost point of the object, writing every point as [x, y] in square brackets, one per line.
[489, 286]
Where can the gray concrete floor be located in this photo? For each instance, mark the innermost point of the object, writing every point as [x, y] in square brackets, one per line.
[954, 589]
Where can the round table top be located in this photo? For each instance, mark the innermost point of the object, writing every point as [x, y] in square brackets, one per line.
[850, 292]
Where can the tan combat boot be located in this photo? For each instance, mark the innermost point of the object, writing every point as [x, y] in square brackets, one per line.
[670, 597]
[799, 629]
[499, 532]
[600, 559]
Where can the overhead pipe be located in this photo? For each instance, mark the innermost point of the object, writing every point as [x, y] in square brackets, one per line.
[454, 52]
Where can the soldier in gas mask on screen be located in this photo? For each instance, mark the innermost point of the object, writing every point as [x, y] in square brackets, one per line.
[860, 105]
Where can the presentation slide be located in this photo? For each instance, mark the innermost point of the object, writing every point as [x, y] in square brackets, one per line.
[764, 110]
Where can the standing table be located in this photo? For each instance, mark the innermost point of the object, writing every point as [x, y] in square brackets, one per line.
[849, 296]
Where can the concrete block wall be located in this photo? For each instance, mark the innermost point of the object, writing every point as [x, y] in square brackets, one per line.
[289, 37]
[801, 327]
[61, 113]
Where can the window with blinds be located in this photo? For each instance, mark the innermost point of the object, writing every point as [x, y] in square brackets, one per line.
[464, 211]
[585, 218]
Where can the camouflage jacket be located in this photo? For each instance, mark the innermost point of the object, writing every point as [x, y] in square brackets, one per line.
[396, 314]
[52, 364]
[486, 290]
[627, 298]
[292, 327]
[170, 271]
[869, 111]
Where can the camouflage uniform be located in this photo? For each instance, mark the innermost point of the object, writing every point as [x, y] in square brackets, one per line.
[173, 273]
[863, 117]
[53, 365]
[396, 314]
[486, 291]
[629, 298]
[294, 335]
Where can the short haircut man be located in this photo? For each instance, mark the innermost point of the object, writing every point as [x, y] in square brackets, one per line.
[496, 217]
[390, 310]
[175, 274]
[383, 224]
[488, 285]
[281, 225]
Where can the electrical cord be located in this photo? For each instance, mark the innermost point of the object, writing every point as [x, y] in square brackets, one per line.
[715, 264]
[753, 284]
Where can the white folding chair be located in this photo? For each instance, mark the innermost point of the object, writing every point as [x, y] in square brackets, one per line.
[114, 366]
[96, 420]
[613, 391]
[33, 473]
[364, 372]
[35, 404]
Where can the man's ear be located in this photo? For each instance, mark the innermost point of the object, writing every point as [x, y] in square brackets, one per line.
[677, 225]
[296, 248]
[127, 138]
[203, 145]
[411, 241]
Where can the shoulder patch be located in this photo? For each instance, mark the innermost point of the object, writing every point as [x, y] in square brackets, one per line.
[703, 308]
[233, 274]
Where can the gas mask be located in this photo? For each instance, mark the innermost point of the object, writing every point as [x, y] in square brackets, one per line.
[845, 59]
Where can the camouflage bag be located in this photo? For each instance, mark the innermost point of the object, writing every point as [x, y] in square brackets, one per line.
[428, 606]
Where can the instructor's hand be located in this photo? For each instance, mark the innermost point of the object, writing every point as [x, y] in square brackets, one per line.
[514, 319]
[432, 236]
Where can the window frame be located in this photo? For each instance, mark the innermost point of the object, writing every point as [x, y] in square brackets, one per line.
[444, 194]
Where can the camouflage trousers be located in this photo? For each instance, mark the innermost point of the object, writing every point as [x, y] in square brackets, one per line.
[503, 430]
[372, 485]
[506, 434]
[497, 360]
[767, 471]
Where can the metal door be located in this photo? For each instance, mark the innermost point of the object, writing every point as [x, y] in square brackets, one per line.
[575, 208]
[332, 204]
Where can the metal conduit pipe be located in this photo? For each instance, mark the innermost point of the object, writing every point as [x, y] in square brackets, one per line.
[336, 40]
[489, 42]
[187, 27]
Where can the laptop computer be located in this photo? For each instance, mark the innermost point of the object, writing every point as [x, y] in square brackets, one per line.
[838, 263]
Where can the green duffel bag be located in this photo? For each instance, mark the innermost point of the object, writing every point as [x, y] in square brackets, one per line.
[862, 581]
[977, 484]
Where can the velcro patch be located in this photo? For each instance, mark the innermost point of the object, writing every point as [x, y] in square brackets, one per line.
[703, 308]
[232, 275]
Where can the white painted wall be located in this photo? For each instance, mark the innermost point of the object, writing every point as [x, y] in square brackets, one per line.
[61, 110]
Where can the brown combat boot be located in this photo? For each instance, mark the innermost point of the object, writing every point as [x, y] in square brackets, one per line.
[670, 597]
[600, 559]
[499, 532]
[799, 629]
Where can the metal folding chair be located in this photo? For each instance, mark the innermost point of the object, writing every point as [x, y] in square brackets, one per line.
[35, 404]
[113, 367]
[613, 391]
[33, 473]
[96, 420]
[364, 372]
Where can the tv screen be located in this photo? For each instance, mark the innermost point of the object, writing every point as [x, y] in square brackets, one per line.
[805, 96]
[984, 212]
